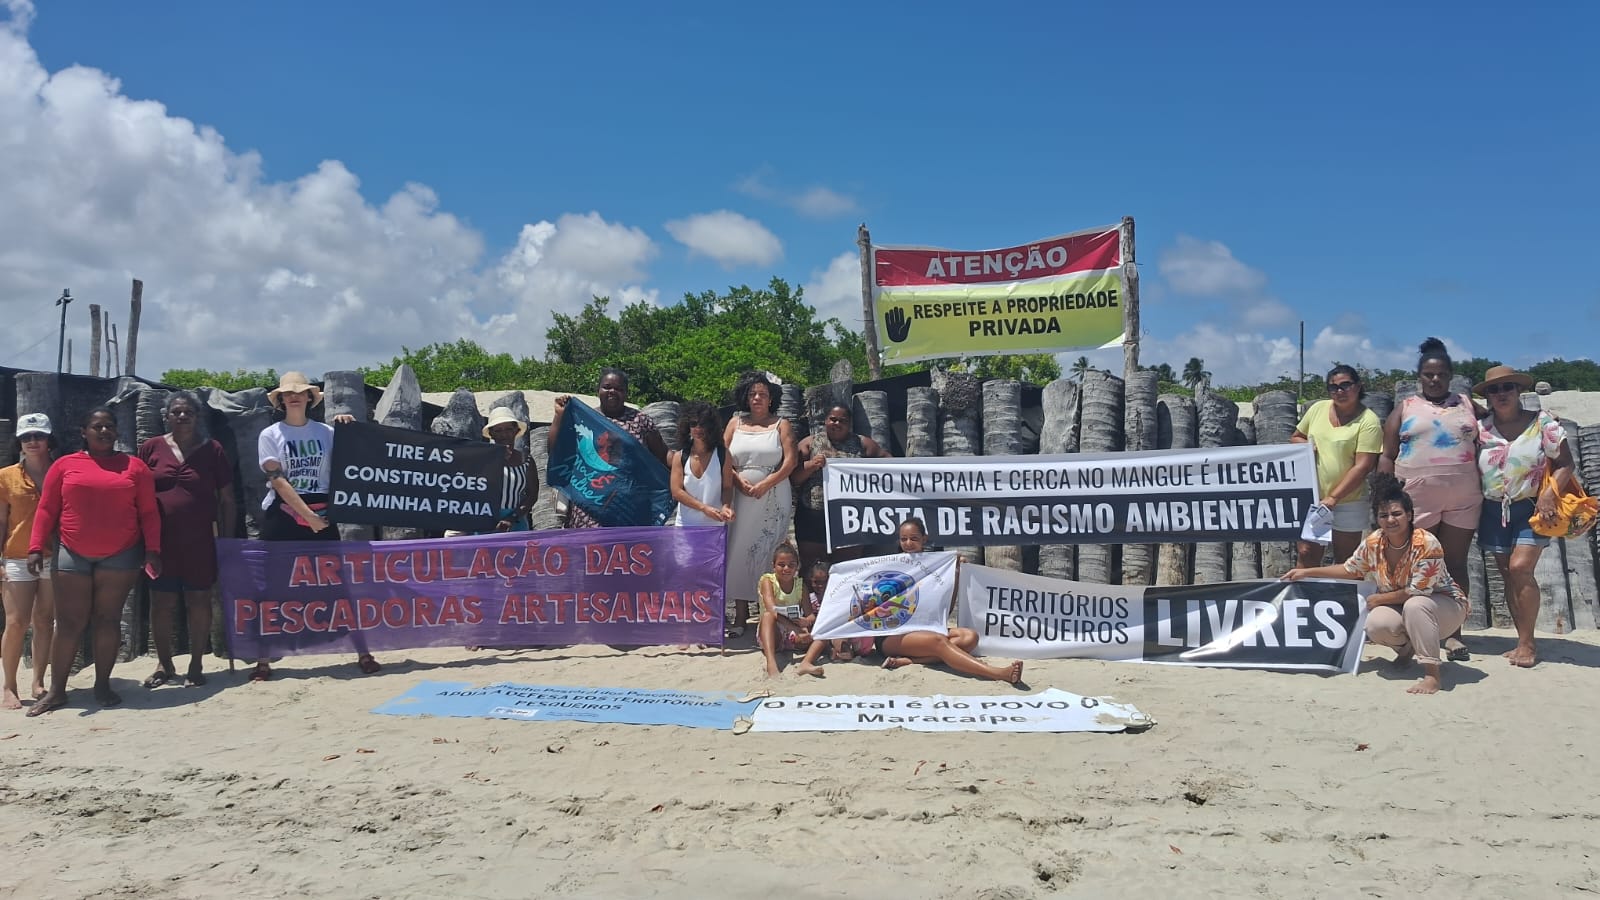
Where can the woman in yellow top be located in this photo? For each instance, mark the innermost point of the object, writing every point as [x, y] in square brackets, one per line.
[1348, 438]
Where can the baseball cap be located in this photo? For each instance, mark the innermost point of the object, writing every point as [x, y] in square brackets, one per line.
[33, 422]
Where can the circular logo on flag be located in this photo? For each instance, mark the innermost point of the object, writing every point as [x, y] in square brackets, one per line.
[884, 600]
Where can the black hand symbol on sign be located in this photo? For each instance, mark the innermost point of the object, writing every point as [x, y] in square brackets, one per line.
[899, 326]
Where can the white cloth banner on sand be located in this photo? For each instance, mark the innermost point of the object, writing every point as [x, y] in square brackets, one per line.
[1051, 710]
[886, 595]
[1314, 625]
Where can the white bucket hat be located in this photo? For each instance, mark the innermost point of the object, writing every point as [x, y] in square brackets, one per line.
[500, 415]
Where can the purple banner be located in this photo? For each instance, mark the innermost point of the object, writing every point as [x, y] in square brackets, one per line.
[636, 586]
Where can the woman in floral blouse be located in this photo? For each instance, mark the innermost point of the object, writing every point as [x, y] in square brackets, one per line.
[1416, 601]
[1516, 449]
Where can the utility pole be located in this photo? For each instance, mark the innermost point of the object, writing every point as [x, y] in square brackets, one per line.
[61, 344]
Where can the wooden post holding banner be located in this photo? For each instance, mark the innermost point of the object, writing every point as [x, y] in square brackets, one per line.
[94, 340]
[1130, 303]
[133, 325]
[874, 354]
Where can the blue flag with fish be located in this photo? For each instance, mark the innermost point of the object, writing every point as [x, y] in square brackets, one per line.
[606, 472]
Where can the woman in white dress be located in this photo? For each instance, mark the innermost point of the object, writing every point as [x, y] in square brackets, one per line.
[762, 454]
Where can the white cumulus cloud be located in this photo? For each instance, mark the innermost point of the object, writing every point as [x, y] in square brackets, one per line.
[1208, 269]
[727, 238]
[835, 291]
[307, 273]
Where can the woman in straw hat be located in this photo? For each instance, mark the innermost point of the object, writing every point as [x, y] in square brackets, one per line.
[296, 454]
[1518, 448]
[28, 597]
[520, 489]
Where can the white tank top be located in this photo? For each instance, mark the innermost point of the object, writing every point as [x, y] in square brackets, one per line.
[706, 488]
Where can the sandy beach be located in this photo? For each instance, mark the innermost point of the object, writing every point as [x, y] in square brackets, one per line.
[1252, 783]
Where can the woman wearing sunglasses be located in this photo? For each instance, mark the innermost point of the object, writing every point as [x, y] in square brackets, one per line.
[1518, 448]
[1431, 444]
[1348, 439]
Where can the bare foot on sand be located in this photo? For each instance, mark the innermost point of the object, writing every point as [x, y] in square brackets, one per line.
[1016, 673]
[105, 696]
[196, 675]
[49, 701]
[808, 669]
[1427, 684]
[895, 662]
[10, 700]
[1523, 656]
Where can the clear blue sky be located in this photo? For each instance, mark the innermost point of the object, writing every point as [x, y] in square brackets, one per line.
[1381, 173]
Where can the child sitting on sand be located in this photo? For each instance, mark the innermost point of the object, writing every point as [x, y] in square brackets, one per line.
[786, 614]
[842, 650]
[953, 647]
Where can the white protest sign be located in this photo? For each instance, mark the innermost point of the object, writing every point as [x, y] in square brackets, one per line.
[1052, 710]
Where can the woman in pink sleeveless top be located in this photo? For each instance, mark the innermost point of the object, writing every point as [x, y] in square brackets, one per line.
[1430, 443]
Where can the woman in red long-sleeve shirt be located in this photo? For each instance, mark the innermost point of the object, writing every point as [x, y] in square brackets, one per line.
[99, 507]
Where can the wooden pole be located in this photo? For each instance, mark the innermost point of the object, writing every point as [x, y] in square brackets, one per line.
[874, 363]
[136, 304]
[111, 347]
[61, 341]
[94, 340]
[1130, 302]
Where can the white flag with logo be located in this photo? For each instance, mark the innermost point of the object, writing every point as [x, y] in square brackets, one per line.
[885, 595]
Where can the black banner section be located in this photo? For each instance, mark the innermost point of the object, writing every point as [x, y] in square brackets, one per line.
[1269, 624]
[1106, 519]
[395, 476]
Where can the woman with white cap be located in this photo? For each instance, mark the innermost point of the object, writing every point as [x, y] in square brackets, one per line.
[520, 485]
[28, 597]
[296, 454]
[1517, 449]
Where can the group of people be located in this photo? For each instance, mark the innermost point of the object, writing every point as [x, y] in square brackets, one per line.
[1449, 468]
[79, 529]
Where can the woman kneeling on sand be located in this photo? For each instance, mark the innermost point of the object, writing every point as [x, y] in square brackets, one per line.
[1417, 601]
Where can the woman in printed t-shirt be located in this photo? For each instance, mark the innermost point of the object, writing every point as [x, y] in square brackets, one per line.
[297, 456]
[1348, 439]
[98, 507]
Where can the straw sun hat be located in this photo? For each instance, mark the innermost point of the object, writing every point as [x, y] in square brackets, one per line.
[1497, 374]
[501, 415]
[293, 383]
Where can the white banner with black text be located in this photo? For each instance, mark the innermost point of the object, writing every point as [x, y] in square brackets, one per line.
[1258, 493]
[1312, 626]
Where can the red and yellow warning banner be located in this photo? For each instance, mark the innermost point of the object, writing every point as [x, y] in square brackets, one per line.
[1064, 293]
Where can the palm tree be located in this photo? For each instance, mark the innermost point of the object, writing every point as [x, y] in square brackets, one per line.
[1195, 374]
[1081, 369]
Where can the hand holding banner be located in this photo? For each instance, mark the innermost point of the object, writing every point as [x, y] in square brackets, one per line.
[885, 595]
[606, 472]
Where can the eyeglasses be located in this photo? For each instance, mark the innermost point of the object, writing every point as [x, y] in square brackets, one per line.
[34, 436]
[1502, 388]
[1341, 386]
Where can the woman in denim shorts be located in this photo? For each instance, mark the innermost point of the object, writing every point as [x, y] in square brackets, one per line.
[1518, 448]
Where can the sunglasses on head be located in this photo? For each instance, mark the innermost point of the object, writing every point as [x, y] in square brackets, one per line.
[1502, 388]
[1341, 385]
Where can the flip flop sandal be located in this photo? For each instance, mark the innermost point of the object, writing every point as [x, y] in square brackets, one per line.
[159, 678]
[1459, 654]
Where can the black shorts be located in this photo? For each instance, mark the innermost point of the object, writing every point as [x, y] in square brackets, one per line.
[278, 524]
[810, 525]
